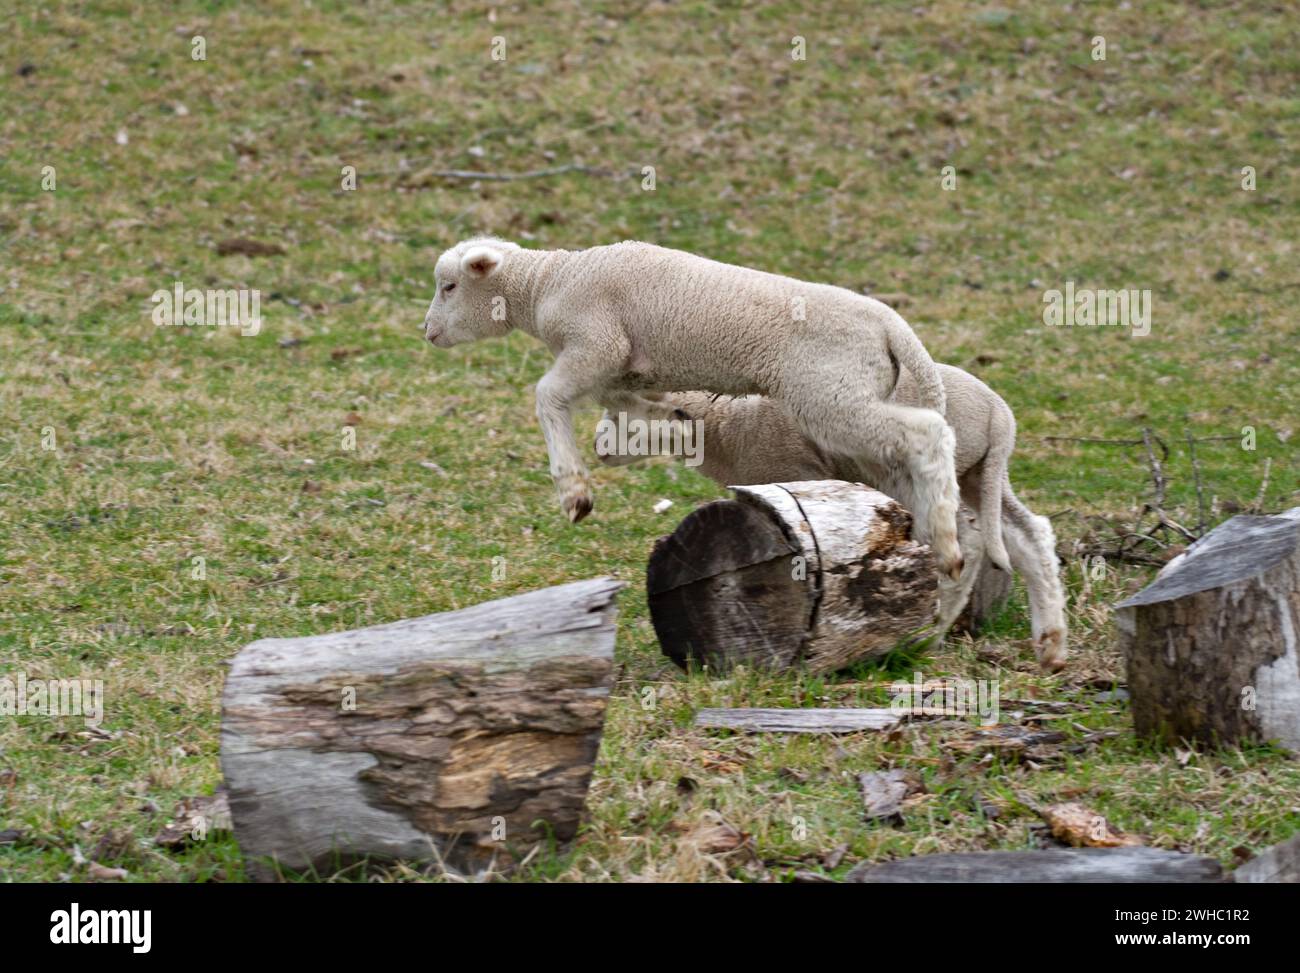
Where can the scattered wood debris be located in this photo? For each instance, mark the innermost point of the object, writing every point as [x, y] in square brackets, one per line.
[797, 720]
[196, 818]
[883, 792]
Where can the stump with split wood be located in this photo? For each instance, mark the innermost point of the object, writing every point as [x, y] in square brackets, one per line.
[820, 573]
[1213, 645]
[458, 737]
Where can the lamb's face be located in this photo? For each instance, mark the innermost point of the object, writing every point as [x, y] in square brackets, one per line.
[607, 439]
[468, 303]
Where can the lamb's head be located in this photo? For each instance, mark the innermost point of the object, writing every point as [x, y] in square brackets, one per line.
[607, 439]
[468, 303]
[652, 424]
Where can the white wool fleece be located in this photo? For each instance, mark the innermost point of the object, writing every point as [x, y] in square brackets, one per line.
[633, 317]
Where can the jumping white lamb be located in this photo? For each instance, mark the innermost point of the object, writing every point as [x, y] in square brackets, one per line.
[751, 440]
[633, 317]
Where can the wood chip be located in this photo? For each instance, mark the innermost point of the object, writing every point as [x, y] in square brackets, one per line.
[883, 792]
[1081, 827]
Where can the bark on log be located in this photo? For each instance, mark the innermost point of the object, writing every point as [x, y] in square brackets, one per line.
[797, 720]
[1211, 644]
[822, 573]
[444, 737]
[1051, 865]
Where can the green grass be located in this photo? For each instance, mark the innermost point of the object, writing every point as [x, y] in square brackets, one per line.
[176, 443]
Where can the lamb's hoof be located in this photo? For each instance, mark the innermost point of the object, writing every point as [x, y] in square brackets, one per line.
[575, 497]
[952, 567]
[577, 507]
[1051, 651]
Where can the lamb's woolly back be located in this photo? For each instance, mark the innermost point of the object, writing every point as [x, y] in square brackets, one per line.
[634, 317]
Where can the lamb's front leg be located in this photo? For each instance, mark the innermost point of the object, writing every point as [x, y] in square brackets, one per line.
[557, 391]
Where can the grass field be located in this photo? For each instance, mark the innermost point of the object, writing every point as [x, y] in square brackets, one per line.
[176, 443]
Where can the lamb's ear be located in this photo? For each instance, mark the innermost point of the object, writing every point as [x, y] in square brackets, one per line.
[481, 261]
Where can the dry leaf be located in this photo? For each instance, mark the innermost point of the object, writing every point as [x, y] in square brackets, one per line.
[1081, 827]
[720, 762]
[196, 817]
[102, 873]
[883, 792]
[714, 836]
[831, 860]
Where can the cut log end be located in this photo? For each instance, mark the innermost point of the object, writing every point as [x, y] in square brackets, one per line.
[821, 573]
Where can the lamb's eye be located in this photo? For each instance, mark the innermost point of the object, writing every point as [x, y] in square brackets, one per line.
[448, 288]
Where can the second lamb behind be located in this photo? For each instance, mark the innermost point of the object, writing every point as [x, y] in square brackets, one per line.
[750, 440]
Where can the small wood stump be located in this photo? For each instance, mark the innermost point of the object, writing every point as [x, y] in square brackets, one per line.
[455, 737]
[822, 573]
[1211, 644]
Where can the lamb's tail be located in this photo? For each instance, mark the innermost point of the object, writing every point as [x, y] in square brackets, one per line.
[907, 348]
[993, 477]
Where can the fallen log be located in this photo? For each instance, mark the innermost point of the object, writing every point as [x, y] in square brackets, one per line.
[455, 737]
[819, 573]
[1089, 865]
[1211, 646]
[797, 720]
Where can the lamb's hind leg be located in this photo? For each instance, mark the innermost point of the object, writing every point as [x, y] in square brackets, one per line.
[897, 437]
[1031, 545]
[955, 595]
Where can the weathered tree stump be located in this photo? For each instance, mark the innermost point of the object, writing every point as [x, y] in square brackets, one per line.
[819, 573]
[447, 737]
[1211, 644]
